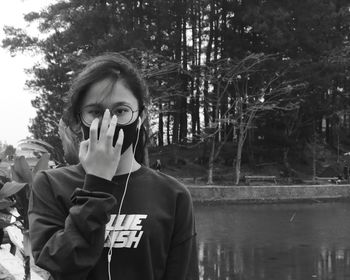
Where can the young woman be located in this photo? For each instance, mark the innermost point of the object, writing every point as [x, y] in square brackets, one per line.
[109, 217]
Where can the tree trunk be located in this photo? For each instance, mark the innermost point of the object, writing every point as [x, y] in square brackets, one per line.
[197, 107]
[211, 162]
[160, 125]
[199, 64]
[183, 108]
[192, 109]
[245, 123]
[146, 155]
[216, 87]
[314, 159]
[286, 162]
[239, 158]
[176, 122]
[160, 105]
[183, 119]
[195, 87]
[212, 151]
[224, 28]
[208, 59]
[168, 128]
[178, 49]
[328, 131]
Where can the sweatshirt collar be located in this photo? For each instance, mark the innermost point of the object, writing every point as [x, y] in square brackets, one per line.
[118, 178]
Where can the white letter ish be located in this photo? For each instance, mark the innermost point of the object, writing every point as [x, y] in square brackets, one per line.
[126, 229]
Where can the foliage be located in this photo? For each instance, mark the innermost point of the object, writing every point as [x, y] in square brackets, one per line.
[185, 49]
[15, 193]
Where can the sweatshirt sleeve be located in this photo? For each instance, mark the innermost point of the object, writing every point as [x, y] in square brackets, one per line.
[69, 246]
[182, 261]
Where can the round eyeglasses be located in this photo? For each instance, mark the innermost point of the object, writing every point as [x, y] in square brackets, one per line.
[123, 112]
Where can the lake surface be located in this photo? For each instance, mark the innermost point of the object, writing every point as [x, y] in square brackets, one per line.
[274, 241]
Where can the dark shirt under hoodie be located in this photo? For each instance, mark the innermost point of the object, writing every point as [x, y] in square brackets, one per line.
[72, 216]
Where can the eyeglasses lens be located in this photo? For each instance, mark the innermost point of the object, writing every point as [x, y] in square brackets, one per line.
[124, 114]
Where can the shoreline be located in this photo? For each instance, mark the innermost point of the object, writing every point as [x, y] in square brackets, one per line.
[269, 193]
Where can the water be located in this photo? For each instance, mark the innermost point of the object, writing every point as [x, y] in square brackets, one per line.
[274, 241]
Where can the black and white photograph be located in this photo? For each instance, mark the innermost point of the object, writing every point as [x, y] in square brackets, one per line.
[175, 140]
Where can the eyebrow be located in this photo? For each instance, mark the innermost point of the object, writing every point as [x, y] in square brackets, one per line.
[113, 105]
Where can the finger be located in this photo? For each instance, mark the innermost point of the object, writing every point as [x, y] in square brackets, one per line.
[105, 123]
[83, 148]
[111, 131]
[93, 133]
[119, 143]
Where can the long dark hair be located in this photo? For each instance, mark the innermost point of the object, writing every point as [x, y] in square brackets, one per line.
[113, 66]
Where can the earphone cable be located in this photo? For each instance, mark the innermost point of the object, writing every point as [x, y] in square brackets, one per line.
[112, 240]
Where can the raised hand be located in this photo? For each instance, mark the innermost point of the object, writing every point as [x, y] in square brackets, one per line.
[97, 154]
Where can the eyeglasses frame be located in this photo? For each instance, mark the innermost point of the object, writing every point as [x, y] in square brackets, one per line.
[132, 115]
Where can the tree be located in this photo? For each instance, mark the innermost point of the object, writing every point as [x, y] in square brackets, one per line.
[9, 152]
[185, 42]
[253, 90]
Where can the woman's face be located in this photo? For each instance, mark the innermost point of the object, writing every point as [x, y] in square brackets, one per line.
[116, 97]
[107, 94]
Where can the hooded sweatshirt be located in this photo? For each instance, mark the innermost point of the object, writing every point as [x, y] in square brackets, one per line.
[73, 219]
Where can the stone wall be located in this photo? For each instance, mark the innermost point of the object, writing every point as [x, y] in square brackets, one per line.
[269, 193]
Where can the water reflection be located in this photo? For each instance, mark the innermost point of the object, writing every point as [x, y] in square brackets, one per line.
[253, 242]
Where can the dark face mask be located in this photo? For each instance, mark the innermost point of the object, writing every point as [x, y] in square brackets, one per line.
[130, 134]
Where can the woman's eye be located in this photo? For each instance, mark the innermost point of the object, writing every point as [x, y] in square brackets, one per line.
[95, 112]
[121, 111]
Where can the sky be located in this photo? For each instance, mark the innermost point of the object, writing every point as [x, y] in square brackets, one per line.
[15, 102]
